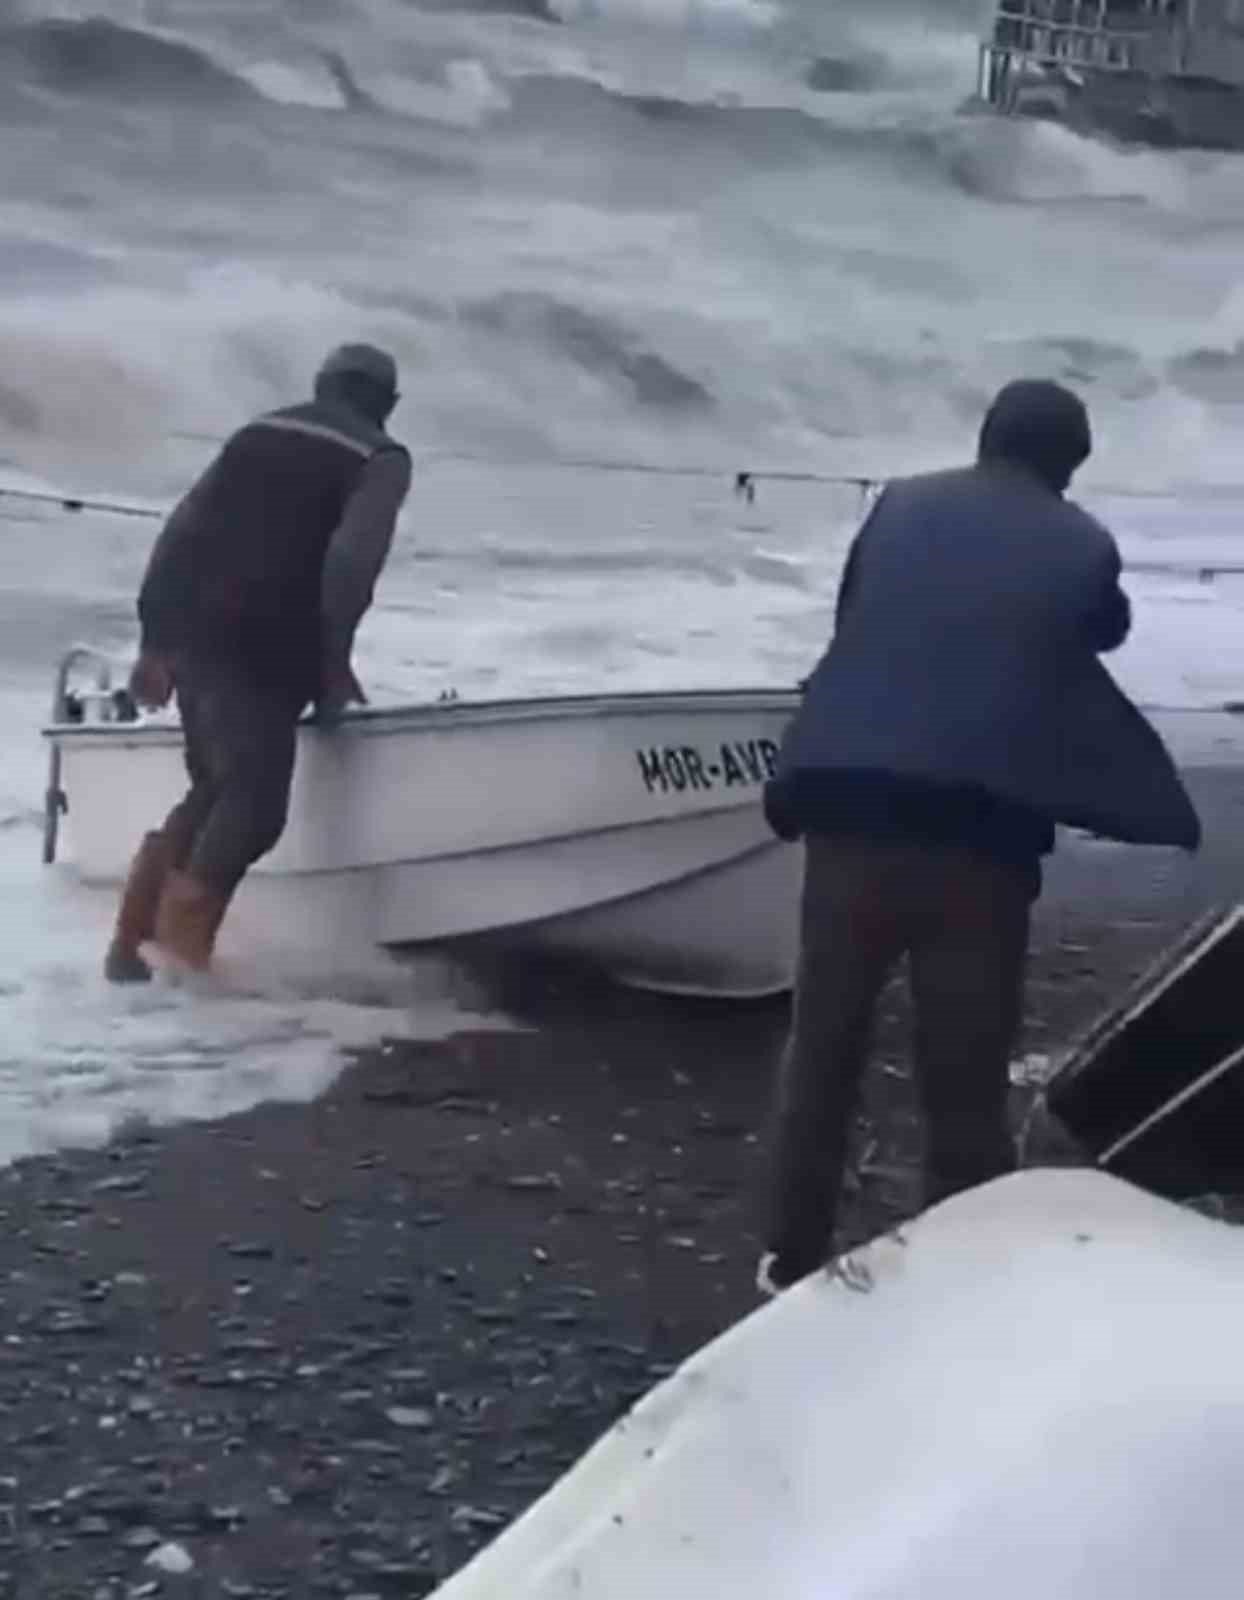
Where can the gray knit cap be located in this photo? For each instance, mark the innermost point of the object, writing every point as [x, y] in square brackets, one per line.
[361, 361]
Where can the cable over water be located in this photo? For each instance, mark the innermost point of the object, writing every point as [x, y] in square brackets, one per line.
[745, 482]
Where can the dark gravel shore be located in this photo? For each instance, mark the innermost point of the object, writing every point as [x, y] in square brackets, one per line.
[332, 1349]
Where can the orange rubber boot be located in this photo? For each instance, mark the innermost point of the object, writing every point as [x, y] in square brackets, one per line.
[136, 918]
[188, 921]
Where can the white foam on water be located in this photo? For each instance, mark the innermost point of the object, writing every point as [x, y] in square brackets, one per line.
[956, 251]
[465, 96]
[295, 85]
[295, 992]
[88, 415]
[671, 14]
[1044, 161]
[79, 1057]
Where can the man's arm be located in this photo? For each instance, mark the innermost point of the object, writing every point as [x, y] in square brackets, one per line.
[167, 586]
[356, 556]
[167, 602]
[780, 803]
[851, 567]
[1110, 616]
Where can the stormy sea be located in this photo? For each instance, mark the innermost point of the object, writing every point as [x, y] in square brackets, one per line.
[623, 250]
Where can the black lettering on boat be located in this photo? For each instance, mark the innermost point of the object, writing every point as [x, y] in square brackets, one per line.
[652, 769]
[749, 755]
[674, 769]
[734, 773]
[694, 763]
[679, 768]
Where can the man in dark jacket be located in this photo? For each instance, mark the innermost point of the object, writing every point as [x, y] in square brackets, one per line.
[248, 609]
[959, 713]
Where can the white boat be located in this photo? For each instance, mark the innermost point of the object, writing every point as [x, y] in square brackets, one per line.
[625, 829]
[1035, 1391]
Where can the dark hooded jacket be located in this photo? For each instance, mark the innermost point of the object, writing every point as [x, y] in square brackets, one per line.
[961, 699]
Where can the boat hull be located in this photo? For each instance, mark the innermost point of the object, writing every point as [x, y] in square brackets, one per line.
[727, 930]
[625, 830]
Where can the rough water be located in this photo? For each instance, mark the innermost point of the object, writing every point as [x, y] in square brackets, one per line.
[713, 234]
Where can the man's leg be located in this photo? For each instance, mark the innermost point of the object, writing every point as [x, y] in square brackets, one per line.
[188, 817]
[853, 925]
[248, 733]
[160, 853]
[967, 977]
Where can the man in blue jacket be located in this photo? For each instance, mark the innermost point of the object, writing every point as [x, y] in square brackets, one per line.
[959, 714]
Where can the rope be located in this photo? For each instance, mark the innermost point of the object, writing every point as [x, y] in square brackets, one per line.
[1202, 570]
[658, 470]
[742, 480]
[115, 508]
[745, 482]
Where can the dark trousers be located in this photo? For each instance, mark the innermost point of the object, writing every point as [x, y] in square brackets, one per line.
[240, 731]
[962, 921]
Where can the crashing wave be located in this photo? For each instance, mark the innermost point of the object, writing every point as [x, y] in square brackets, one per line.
[1215, 377]
[1028, 162]
[537, 10]
[596, 344]
[93, 55]
[846, 74]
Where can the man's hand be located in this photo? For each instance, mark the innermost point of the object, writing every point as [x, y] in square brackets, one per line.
[151, 682]
[340, 689]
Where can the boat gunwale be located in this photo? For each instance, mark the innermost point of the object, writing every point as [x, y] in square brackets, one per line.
[449, 715]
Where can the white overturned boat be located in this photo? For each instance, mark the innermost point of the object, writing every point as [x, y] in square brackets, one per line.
[1035, 1393]
[624, 829]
